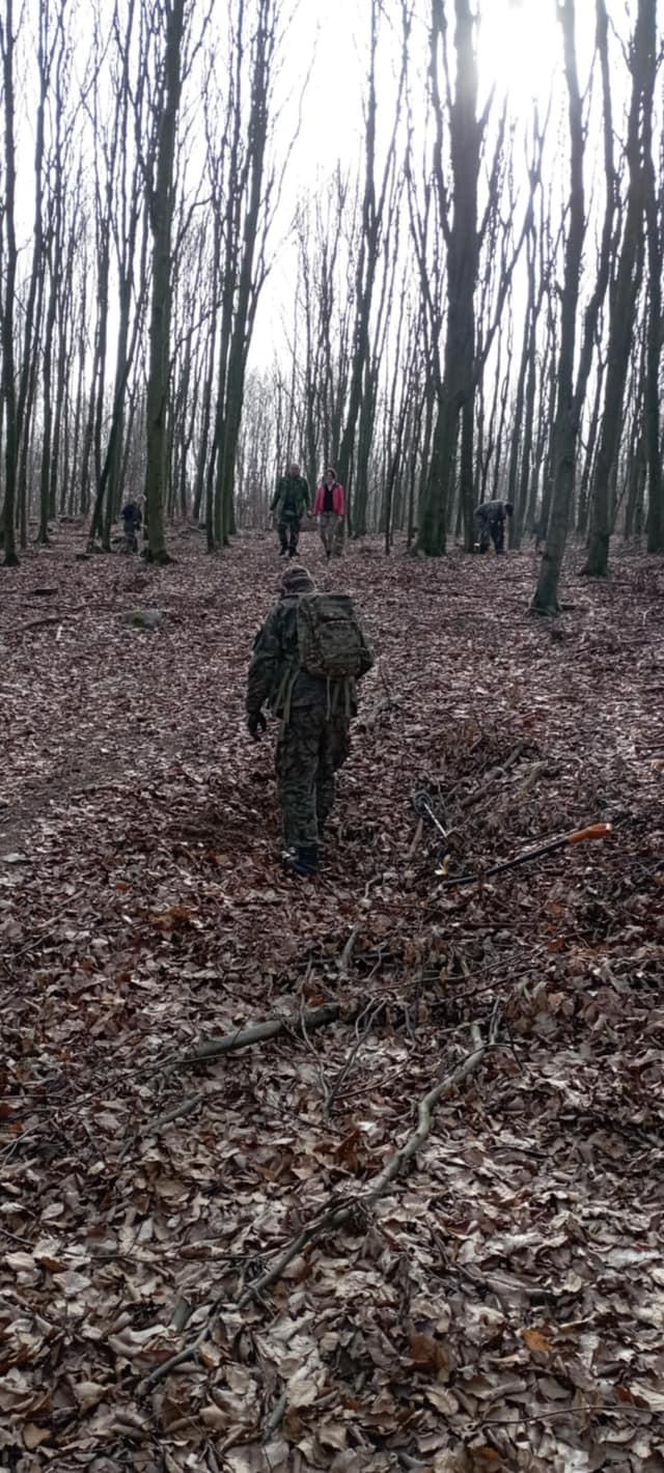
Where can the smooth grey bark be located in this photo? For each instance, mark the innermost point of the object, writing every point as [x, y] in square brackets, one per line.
[11, 255]
[565, 431]
[160, 208]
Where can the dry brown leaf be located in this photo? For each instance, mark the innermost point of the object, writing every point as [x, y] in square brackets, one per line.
[428, 1353]
[533, 1201]
[33, 1436]
[537, 1342]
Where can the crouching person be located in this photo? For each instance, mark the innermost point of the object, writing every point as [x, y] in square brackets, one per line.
[307, 660]
[491, 517]
[132, 520]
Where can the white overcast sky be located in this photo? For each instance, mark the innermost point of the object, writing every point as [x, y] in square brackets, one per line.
[520, 49]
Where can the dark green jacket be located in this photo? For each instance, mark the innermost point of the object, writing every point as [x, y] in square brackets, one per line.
[490, 513]
[291, 498]
[274, 677]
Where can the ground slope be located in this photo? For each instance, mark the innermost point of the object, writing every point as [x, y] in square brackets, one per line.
[501, 1305]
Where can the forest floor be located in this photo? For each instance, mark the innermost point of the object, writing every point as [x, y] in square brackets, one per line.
[499, 1305]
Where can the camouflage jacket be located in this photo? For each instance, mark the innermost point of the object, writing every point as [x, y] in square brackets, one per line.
[291, 497]
[275, 677]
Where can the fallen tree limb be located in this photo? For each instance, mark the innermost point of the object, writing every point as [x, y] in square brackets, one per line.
[579, 836]
[261, 1033]
[486, 778]
[340, 1213]
[49, 619]
[41, 623]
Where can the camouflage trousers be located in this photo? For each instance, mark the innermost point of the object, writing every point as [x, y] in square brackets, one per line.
[288, 528]
[312, 746]
[332, 533]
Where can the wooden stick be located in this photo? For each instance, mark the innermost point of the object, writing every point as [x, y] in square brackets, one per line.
[346, 955]
[259, 1033]
[417, 840]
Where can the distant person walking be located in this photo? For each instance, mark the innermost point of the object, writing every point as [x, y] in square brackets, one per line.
[290, 502]
[132, 520]
[491, 517]
[330, 510]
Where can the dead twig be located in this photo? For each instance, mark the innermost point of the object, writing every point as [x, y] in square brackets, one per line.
[346, 955]
[547, 1414]
[50, 619]
[339, 1213]
[309, 1046]
[373, 719]
[276, 1416]
[182, 1107]
[417, 840]
[331, 1094]
[499, 770]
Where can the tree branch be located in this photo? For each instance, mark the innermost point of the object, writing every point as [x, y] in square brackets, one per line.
[339, 1213]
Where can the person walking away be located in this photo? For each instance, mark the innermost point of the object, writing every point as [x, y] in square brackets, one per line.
[132, 519]
[491, 516]
[330, 509]
[289, 503]
[307, 660]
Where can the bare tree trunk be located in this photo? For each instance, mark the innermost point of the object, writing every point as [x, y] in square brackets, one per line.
[246, 286]
[621, 323]
[462, 268]
[160, 206]
[8, 381]
[590, 449]
[655, 233]
[377, 202]
[565, 430]
[47, 397]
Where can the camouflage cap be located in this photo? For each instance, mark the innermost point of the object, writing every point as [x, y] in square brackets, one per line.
[296, 580]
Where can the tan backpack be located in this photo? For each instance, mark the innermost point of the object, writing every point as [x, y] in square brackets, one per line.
[330, 638]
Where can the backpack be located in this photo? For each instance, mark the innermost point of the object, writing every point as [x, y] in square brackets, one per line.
[330, 639]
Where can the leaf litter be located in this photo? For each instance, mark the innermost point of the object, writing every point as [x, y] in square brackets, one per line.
[502, 1305]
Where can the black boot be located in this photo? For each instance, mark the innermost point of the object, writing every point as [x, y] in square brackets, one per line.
[302, 861]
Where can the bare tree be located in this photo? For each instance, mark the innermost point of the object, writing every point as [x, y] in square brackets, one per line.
[565, 429]
[171, 17]
[461, 237]
[8, 365]
[622, 308]
[654, 213]
[377, 198]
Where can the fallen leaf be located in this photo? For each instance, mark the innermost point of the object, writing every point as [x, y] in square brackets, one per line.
[537, 1343]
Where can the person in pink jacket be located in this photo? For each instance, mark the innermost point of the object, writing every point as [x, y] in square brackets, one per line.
[330, 509]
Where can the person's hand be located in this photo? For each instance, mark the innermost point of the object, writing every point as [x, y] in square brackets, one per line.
[256, 725]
